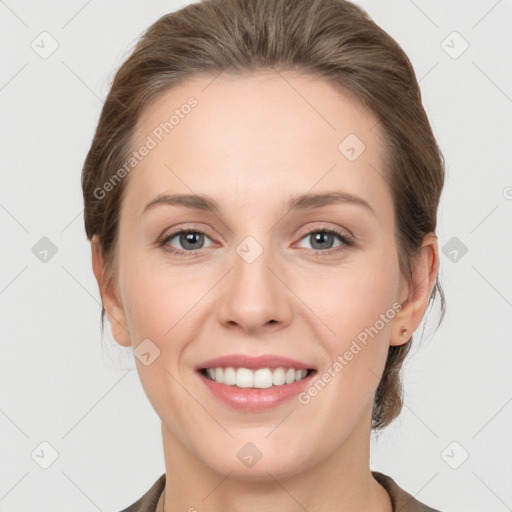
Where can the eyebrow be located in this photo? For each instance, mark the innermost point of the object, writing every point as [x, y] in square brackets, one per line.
[301, 202]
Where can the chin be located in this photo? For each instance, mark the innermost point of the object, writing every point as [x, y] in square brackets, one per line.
[249, 463]
[261, 471]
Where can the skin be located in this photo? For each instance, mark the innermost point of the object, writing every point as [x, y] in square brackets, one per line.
[253, 141]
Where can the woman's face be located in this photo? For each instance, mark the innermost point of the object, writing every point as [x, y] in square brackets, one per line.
[283, 158]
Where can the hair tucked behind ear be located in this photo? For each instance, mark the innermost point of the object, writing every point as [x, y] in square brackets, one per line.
[333, 40]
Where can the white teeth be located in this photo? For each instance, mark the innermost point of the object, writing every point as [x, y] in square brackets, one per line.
[301, 375]
[278, 377]
[244, 378]
[229, 376]
[261, 378]
[290, 376]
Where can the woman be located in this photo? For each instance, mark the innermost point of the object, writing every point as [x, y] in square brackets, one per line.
[238, 138]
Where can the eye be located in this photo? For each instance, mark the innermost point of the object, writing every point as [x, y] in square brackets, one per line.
[322, 240]
[190, 240]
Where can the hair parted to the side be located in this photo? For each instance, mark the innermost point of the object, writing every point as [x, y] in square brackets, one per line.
[334, 40]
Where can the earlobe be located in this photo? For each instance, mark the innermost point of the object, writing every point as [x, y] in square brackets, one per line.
[401, 330]
[111, 303]
[419, 288]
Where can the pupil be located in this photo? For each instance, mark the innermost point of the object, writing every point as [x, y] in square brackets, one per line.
[189, 239]
[320, 237]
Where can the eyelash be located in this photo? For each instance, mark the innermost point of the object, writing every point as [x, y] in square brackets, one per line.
[346, 242]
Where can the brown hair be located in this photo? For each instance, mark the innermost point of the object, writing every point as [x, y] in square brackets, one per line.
[331, 39]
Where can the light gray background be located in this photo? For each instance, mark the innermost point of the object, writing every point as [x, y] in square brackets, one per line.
[57, 384]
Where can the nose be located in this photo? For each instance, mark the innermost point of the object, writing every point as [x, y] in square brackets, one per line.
[254, 295]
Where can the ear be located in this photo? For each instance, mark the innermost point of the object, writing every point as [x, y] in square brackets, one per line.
[415, 291]
[109, 296]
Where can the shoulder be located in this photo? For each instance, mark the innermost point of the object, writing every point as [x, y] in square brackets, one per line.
[402, 500]
[148, 502]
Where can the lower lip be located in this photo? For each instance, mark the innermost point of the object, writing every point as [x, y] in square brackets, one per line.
[256, 399]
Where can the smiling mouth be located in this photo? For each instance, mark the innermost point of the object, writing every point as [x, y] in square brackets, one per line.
[260, 378]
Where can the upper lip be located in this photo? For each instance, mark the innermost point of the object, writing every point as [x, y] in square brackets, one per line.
[253, 362]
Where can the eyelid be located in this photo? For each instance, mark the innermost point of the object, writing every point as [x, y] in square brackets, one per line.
[305, 231]
[326, 227]
[175, 230]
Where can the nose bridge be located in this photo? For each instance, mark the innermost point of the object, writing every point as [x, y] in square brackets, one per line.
[253, 295]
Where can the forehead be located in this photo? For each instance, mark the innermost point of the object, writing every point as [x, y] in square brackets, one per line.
[257, 135]
[297, 106]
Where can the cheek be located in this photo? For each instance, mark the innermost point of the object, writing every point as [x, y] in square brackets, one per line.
[353, 296]
[162, 302]
[155, 306]
[355, 304]
[158, 304]
[151, 301]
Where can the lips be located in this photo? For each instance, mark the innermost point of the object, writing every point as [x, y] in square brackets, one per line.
[254, 383]
[253, 362]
